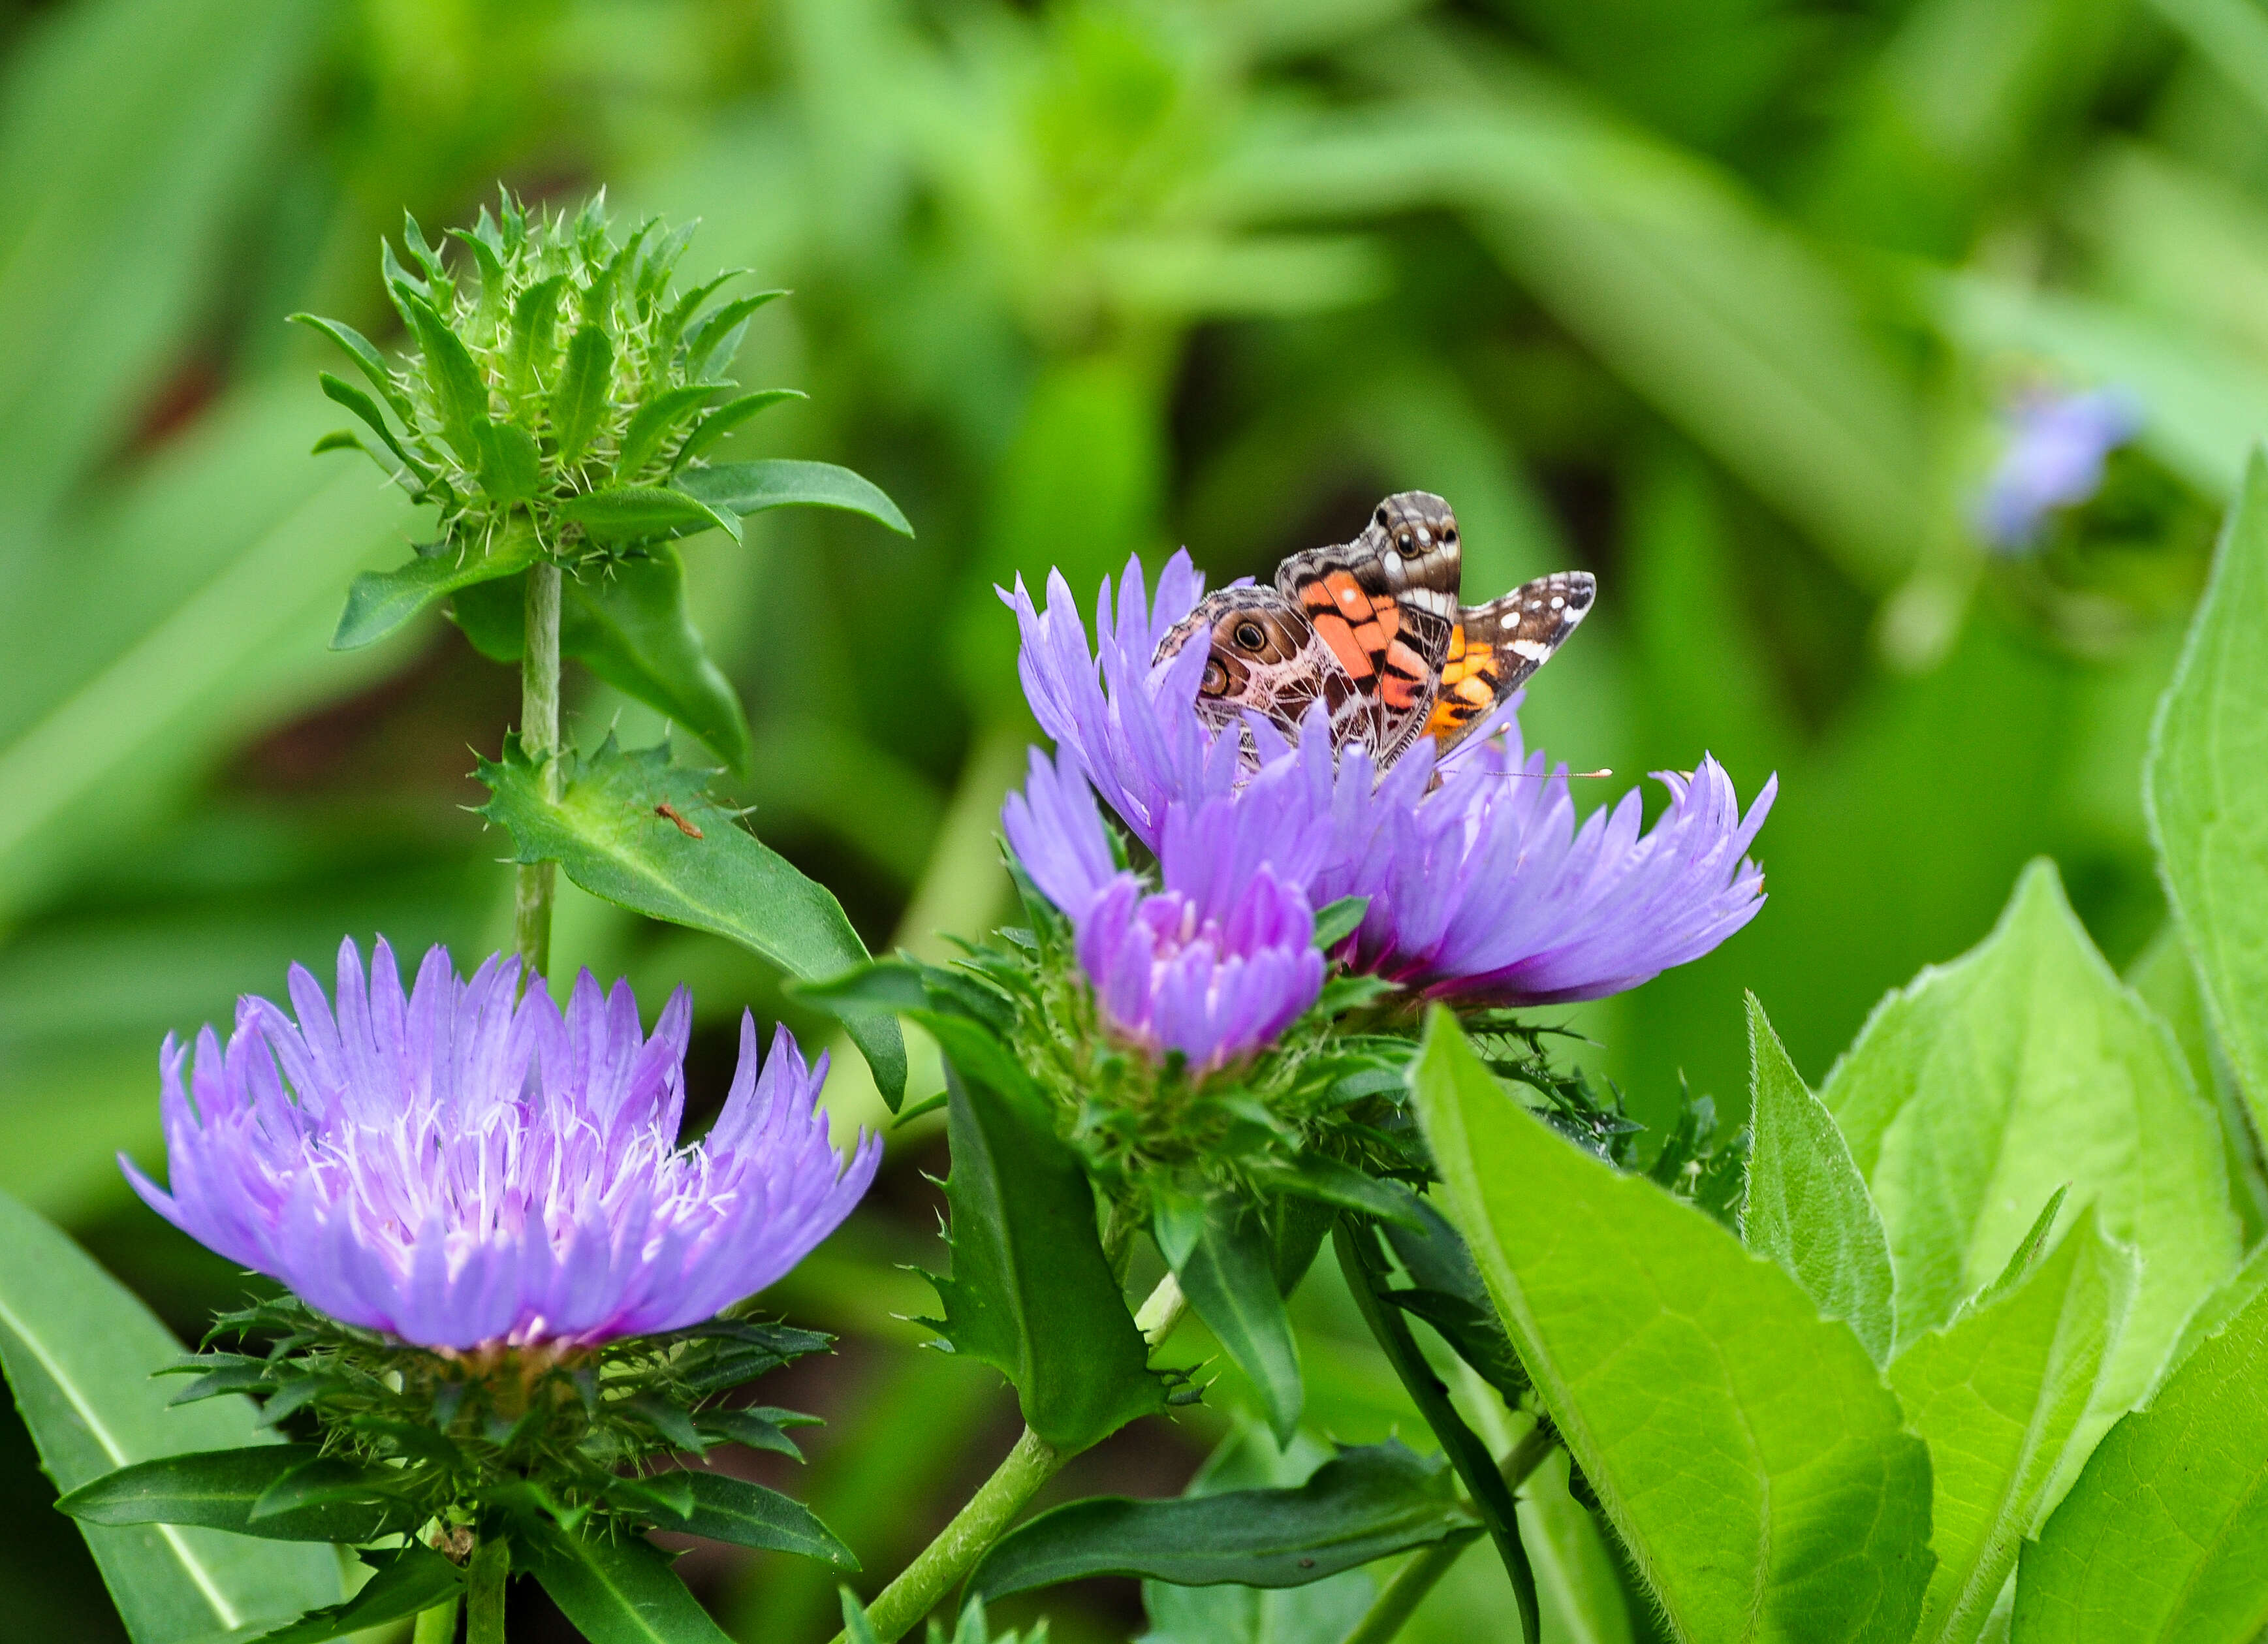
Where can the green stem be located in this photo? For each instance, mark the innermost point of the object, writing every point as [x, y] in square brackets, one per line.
[484, 1583]
[945, 1561]
[1365, 1266]
[437, 1626]
[940, 1566]
[1394, 1605]
[538, 739]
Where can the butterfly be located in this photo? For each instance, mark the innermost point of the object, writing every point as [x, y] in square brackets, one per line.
[1373, 629]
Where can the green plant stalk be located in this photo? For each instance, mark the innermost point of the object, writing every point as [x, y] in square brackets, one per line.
[1356, 1243]
[939, 1567]
[1392, 1609]
[484, 1584]
[539, 737]
[437, 1626]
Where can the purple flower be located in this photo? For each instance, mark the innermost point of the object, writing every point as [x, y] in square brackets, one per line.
[458, 1169]
[1481, 887]
[1214, 965]
[2057, 444]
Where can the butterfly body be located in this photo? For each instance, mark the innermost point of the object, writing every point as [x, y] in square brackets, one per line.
[1373, 629]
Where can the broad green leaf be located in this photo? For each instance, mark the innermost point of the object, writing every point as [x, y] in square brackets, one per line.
[2165, 1535]
[645, 514]
[408, 1582]
[607, 832]
[1807, 1207]
[2206, 789]
[2164, 976]
[580, 397]
[1974, 1093]
[617, 1588]
[1220, 1250]
[1744, 1448]
[1030, 1292]
[783, 482]
[629, 624]
[221, 1490]
[1321, 1612]
[79, 1350]
[1999, 1396]
[746, 1514]
[380, 602]
[1365, 1504]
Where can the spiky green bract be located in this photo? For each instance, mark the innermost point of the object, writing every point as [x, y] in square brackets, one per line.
[448, 1441]
[552, 393]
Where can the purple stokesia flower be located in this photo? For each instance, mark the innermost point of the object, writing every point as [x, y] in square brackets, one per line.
[458, 1169]
[1215, 964]
[2057, 444]
[1481, 886]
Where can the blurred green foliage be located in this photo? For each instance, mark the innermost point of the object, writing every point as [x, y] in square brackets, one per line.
[1714, 298]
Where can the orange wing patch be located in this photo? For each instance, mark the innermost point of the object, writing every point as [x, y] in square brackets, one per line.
[1470, 680]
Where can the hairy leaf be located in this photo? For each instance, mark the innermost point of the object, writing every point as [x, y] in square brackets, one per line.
[380, 602]
[220, 1490]
[607, 832]
[725, 1508]
[1744, 1447]
[615, 1589]
[1808, 1206]
[1030, 1292]
[580, 399]
[783, 482]
[645, 514]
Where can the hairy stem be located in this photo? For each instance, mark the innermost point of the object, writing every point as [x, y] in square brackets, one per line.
[940, 1566]
[1399, 1601]
[484, 1581]
[437, 1626]
[538, 739]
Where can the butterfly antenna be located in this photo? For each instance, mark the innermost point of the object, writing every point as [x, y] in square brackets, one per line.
[1602, 773]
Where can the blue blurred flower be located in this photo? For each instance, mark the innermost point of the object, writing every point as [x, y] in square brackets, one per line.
[2057, 444]
[1216, 963]
[1481, 887]
[460, 1169]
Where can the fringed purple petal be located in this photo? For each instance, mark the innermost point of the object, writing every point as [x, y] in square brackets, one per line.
[457, 1166]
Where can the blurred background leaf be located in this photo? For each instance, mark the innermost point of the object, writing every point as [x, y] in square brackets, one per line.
[1720, 299]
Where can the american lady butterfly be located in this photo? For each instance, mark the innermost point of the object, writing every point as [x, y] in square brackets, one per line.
[1373, 629]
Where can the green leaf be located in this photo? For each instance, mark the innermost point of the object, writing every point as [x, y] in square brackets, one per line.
[2206, 787]
[1808, 1206]
[1976, 1092]
[510, 467]
[631, 627]
[645, 514]
[219, 1489]
[366, 356]
[2165, 1535]
[1328, 1181]
[760, 1427]
[460, 391]
[715, 337]
[362, 405]
[1321, 1612]
[1336, 921]
[652, 425]
[1368, 1503]
[1030, 1292]
[1448, 1295]
[324, 1481]
[614, 1588]
[380, 602]
[414, 1580]
[1744, 1447]
[605, 831]
[746, 1514]
[725, 419]
[535, 332]
[782, 482]
[1220, 1250]
[79, 1351]
[1999, 1396]
[580, 397]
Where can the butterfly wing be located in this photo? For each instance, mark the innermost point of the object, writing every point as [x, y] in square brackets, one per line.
[1495, 647]
[1383, 608]
[1264, 659]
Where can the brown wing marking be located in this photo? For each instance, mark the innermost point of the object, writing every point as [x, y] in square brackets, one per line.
[1496, 647]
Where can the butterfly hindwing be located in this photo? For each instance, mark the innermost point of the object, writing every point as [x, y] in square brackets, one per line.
[1497, 646]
